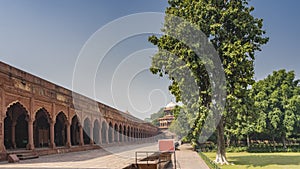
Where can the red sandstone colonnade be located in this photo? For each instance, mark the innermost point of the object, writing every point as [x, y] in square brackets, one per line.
[36, 113]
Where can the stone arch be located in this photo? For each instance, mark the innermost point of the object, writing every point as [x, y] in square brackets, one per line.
[60, 129]
[104, 132]
[79, 119]
[110, 133]
[21, 102]
[44, 111]
[86, 131]
[96, 132]
[75, 133]
[16, 126]
[41, 128]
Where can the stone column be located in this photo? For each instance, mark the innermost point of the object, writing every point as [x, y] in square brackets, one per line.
[13, 134]
[100, 134]
[91, 134]
[116, 136]
[122, 136]
[107, 139]
[2, 146]
[30, 145]
[68, 125]
[81, 135]
[112, 134]
[52, 143]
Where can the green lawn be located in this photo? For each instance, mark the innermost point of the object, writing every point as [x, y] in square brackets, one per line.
[260, 160]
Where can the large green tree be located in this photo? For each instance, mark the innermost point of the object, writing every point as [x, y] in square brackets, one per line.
[234, 33]
[277, 101]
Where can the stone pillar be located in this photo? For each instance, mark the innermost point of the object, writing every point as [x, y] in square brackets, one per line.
[107, 139]
[30, 145]
[81, 135]
[100, 134]
[112, 134]
[91, 134]
[68, 125]
[52, 143]
[2, 146]
[120, 137]
[13, 134]
[116, 136]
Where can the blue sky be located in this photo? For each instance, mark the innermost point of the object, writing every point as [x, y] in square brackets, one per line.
[45, 38]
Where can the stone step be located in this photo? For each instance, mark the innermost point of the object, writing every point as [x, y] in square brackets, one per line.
[27, 155]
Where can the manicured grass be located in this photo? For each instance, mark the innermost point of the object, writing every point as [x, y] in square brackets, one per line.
[245, 160]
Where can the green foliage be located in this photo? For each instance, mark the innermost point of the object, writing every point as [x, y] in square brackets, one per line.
[235, 34]
[155, 116]
[209, 162]
[277, 101]
[267, 148]
[180, 125]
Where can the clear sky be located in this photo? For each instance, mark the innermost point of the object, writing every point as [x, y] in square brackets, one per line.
[45, 38]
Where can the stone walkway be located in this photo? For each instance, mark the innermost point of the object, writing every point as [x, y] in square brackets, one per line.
[188, 159]
[115, 157]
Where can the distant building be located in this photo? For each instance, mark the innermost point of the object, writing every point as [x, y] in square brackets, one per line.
[165, 122]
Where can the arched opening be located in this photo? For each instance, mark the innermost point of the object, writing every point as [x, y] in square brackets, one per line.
[41, 128]
[124, 134]
[103, 132]
[16, 127]
[131, 134]
[110, 133]
[60, 129]
[7, 133]
[116, 133]
[134, 134]
[86, 131]
[137, 134]
[75, 136]
[96, 131]
[127, 134]
[120, 133]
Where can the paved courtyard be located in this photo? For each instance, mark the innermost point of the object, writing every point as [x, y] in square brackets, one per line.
[109, 158]
[115, 157]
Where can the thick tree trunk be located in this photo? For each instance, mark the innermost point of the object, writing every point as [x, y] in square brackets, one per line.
[283, 142]
[248, 140]
[228, 141]
[273, 139]
[221, 153]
